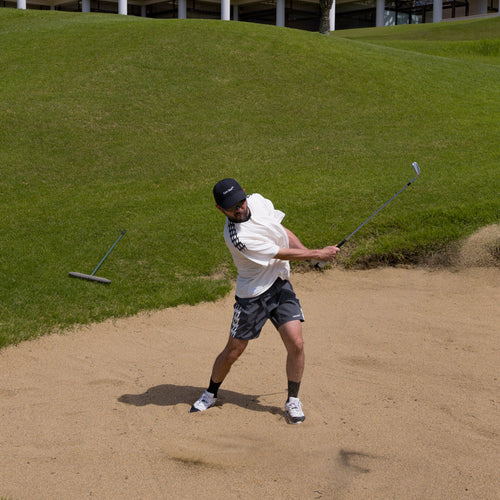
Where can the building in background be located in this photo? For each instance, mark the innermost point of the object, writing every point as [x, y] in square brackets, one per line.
[300, 14]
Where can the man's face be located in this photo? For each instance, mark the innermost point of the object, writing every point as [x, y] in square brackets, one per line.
[238, 212]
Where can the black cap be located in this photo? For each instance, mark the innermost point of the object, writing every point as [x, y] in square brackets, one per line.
[227, 193]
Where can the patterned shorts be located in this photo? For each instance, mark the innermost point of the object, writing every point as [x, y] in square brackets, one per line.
[279, 304]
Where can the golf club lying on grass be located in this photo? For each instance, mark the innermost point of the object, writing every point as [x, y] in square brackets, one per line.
[417, 170]
[91, 277]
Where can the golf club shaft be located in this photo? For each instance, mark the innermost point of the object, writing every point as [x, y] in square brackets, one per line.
[108, 252]
[417, 170]
[375, 213]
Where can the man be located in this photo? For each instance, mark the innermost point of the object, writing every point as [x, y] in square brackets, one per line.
[261, 248]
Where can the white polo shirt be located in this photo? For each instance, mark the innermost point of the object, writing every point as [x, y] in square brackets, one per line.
[254, 243]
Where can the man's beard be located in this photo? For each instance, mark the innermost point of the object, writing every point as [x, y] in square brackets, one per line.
[244, 219]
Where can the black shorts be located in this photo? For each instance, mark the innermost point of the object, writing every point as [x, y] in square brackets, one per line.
[279, 304]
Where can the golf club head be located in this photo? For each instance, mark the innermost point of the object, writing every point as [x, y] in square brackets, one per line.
[416, 167]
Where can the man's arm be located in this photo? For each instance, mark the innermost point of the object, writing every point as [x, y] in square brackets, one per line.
[297, 251]
[293, 240]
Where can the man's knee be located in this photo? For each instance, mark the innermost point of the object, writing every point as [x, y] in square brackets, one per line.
[231, 355]
[296, 346]
[291, 333]
[234, 350]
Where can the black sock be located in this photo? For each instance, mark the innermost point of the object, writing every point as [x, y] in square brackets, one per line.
[214, 387]
[293, 389]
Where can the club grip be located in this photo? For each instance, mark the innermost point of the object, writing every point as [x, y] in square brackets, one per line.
[342, 242]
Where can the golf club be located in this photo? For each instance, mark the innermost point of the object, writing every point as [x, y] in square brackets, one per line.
[91, 277]
[417, 170]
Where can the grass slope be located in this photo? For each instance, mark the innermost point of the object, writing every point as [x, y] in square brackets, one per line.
[116, 122]
[475, 40]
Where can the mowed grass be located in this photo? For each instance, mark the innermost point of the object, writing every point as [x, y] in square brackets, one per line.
[474, 40]
[116, 122]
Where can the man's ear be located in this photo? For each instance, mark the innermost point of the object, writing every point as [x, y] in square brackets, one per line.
[220, 208]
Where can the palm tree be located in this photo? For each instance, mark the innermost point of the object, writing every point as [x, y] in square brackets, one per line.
[324, 22]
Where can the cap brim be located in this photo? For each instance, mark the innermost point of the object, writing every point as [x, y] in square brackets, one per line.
[232, 200]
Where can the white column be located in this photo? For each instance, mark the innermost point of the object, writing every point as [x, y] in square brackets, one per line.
[122, 7]
[332, 17]
[437, 11]
[21, 4]
[143, 11]
[182, 9]
[379, 16]
[236, 12]
[482, 7]
[225, 10]
[85, 5]
[280, 13]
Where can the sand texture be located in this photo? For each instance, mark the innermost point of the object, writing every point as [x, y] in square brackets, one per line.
[400, 392]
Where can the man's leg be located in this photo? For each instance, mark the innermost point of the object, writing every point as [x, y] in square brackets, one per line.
[233, 350]
[291, 334]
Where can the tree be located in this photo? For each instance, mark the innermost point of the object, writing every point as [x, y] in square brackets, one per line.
[324, 22]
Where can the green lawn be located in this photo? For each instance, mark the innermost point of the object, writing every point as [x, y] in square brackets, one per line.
[473, 40]
[117, 122]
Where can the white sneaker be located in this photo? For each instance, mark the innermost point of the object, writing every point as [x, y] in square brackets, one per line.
[293, 411]
[206, 401]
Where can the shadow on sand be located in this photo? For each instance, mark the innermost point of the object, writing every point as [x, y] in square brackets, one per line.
[171, 395]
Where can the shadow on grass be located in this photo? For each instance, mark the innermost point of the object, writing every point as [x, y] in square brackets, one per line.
[171, 395]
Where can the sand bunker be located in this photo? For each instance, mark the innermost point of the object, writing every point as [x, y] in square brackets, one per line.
[400, 394]
[482, 249]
